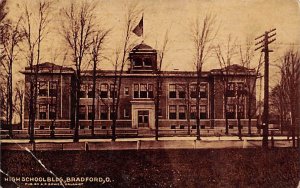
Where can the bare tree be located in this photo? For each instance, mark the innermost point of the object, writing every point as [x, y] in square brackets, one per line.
[18, 100]
[159, 81]
[225, 60]
[34, 39]
[11, 37]
[96, 50]
[203, 33]
[290, 77]
[278, 106]
[3, 13]
[78, 27]
[121, 58]
[246, 57]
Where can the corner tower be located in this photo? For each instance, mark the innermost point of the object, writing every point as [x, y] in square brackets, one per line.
[143, 58]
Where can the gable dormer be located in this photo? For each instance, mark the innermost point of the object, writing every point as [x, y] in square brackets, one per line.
[143, 58]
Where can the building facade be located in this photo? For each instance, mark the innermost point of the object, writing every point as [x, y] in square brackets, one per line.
[177, 110]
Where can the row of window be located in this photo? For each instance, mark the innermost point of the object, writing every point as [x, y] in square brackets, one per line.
[47, 111]
[180, 91]
[47, 89]
[106, 91]
[142, 62]
[180, 112]
[235, 111]
[109, 91]
[106, 112]
[236, 88]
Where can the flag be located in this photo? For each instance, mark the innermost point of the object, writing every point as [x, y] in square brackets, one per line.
[138, 30]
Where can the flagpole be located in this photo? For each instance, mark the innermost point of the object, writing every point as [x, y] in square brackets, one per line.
[143, 28]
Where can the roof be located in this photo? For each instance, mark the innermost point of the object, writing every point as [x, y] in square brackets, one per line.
[233, 69]
[142, 46]
[48, 67]
[236, 68]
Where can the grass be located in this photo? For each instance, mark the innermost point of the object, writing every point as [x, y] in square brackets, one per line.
[164, 168]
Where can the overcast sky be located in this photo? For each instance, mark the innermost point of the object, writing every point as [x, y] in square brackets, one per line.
[240, 18]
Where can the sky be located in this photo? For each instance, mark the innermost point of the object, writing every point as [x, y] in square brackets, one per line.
[238, 18]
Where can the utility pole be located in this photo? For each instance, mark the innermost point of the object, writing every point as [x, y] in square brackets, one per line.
[264, 45]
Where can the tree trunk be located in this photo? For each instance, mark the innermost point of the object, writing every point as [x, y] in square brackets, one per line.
[249, 113]
[93, 102]
[198, 100]
[188, 109]
[157, 104]
[76, 131]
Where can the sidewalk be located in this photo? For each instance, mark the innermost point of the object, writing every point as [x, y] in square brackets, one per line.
[211, 138]
[143, 143]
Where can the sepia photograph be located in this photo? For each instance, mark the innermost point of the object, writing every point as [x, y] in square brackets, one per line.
[161, 93]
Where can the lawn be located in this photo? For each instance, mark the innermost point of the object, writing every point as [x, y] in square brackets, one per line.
[163, 168]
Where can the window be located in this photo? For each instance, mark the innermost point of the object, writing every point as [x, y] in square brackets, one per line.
[52, 89]
[147, 62]
[230, 111]
[172, 112]
[90, 112]
[181, 91]
[104, 91]
[193, 91]
[126, 91]
[203, 112]
[138, 62]
[241, 89]
[230, 90]
[241, 113]
[150, 91]
[126, 112]
[172, 91]
[91, 94]
[193, 112]
[81, 114]
[159, 112]
[112, 113]
[143, 92]
[136, 91]
[42, 111]
[182, 112]
[103, 112]
[203, 91]
[43, 89]
[113, 91]
[82, 91]
[52, 111]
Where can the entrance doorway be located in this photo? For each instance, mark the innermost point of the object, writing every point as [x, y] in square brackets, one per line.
[143, 118]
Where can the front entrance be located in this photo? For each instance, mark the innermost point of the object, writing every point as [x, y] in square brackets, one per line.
[142, 113]
[143, 118]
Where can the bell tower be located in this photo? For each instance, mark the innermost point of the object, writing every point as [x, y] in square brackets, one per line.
[143, 58]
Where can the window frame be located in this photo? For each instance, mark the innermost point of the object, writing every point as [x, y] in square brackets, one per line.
[43, 114]
[172, 91]
[172, 114]
[103, 91]
[46, 93]
[182, 112]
